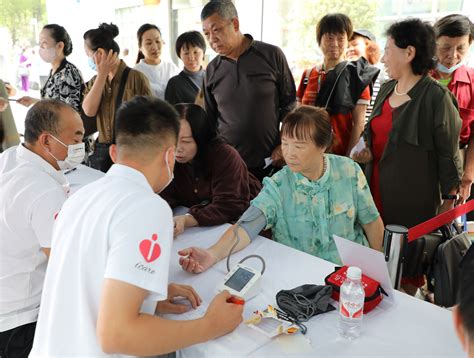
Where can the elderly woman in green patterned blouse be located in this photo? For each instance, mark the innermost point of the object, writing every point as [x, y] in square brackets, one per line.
[315, 196]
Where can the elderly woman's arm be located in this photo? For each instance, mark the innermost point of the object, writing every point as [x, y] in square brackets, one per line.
[258, 216]
[197, 260]
[358, 122]
[374, 232]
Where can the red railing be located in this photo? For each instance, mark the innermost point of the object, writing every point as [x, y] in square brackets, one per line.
[428, 226]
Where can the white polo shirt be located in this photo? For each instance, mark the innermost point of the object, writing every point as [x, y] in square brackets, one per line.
[31, 194]
[117, 228]
[8, 159]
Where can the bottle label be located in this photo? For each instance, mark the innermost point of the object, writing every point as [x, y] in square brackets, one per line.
[351, 309]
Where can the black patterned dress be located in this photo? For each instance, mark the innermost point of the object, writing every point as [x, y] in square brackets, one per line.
[66, 85]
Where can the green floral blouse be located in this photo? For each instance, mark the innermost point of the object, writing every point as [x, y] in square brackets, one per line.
[305, 214]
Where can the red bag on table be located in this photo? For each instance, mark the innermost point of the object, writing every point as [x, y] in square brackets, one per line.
[373, 291]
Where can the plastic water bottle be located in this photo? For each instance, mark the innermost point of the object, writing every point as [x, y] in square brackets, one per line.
[351, 304]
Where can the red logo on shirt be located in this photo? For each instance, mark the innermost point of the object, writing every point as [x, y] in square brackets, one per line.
[150, 250]
[56, 216]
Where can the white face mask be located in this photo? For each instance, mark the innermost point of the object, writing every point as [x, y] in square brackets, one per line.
[75, 155]
[170, 173]
[48, 55]
[442, 68]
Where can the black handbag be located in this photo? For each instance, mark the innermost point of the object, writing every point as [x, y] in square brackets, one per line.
[420, 254]
[447, 266]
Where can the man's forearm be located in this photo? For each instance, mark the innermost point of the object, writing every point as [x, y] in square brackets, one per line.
[151, 335]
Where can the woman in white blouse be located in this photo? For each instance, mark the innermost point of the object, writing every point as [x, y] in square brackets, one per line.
[149, 60]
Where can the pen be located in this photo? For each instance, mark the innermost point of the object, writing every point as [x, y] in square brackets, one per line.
[13, 99]
[236, 300]
[69, 171]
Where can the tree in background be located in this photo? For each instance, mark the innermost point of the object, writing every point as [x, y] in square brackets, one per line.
[300, 31]
[22, 18]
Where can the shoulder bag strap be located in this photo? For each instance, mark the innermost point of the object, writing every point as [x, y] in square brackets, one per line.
[119, 99]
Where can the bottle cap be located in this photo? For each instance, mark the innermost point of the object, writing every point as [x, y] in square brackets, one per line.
[354, 273]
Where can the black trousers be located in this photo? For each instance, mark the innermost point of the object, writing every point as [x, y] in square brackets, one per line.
[17, 342]
[100, 159]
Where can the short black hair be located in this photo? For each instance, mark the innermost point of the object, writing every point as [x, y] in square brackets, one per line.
[334, 24]
[466, 292]
[454, 25]
[59, 34]
[44, 116]
[190, 38]
[309, 123]
[420, 35]
[103, 37]
[224, 8]
[141, 30]
[146, 122]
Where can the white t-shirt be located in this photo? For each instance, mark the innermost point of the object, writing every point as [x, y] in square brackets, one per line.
[158, 75]
[31, 194]
[117, 228]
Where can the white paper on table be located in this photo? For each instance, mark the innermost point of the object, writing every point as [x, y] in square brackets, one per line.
[358, 147]
[371, 262]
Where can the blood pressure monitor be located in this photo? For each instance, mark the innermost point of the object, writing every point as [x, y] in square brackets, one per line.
[243, 281]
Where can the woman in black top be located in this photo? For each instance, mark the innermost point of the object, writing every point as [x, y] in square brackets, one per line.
[183, 88]
[65, 81]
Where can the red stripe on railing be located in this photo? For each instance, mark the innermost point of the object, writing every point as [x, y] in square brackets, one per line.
[432, 224]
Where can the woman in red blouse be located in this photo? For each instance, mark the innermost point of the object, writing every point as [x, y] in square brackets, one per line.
[210, 177]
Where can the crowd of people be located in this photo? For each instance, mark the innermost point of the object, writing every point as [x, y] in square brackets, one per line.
[236, 141]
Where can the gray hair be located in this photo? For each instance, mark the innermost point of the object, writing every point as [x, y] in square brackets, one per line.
[224, 8]
[44, 116]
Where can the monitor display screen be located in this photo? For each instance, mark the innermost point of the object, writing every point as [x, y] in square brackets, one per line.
[239, 279]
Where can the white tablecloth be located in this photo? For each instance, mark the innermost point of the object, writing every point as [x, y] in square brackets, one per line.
[410, 327]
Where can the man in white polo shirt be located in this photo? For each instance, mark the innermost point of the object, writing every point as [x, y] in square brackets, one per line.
[32, 191]
[111, 253]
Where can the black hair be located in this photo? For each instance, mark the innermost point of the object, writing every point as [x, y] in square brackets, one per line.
[454, 25]
[203, 131]
[334, 24]
[146, 122]
[141, 30]
[224, 8]
[309, 123]
[44, 116]
[59, 34]
[103, 37]
[466, 292]
[420, 35]
[188, 39]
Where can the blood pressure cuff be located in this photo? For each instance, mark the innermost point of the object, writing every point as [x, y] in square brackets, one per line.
[373, 291]
[252, 221]
[303, 302]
